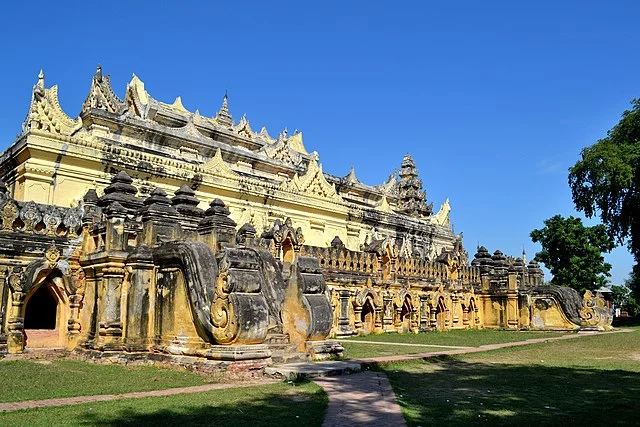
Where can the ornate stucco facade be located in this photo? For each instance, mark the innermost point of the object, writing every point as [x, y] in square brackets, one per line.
[153, 228]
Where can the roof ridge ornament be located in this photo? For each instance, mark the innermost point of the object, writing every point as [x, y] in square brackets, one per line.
[45, 113]
[264, 134]
[217, 166]
[351, 176]
[101, 95]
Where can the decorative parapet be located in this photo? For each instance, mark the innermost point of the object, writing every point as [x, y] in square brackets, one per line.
[37, 219]
[338, 259]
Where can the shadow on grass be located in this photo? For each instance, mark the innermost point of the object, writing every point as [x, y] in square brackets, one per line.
[626, 321]
[453, 392]
[276, 404]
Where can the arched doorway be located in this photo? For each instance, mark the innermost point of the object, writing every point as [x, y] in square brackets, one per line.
[367, 317]
[405, 314]
[441, 315]
[473, 313]
[43, 318]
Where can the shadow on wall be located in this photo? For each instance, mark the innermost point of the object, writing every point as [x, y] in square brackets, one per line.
[447, 391]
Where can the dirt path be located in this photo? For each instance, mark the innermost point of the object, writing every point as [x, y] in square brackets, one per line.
[360, 399]
[78, 400]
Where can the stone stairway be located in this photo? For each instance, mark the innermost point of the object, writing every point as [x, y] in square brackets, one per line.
[294, 371]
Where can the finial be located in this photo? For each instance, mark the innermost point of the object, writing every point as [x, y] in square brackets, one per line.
[41, 78]
[225, 95]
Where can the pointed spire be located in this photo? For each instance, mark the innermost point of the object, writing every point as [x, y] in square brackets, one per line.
[222, 116]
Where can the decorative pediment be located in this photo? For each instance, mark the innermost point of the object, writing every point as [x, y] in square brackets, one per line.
[264, 135]
[217, 166]
[243, 128]
[295, 142]
[442, 217]
[190, 128]
[283, 152]
[313, 183]
[45, 113]
[101, 95]
[137, 98]
[351, 177]
[390, 187]
[178, 106]
[383, 205]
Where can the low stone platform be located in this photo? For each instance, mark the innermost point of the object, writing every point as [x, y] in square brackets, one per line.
[292, 371]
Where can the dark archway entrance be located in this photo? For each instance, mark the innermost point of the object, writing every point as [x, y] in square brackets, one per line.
[405, 314]
[473, 313]
[367, 317]
[41, 310]
[441, 315]
[42, 318]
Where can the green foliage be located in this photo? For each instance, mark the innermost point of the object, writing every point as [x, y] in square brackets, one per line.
[606, 181]
[620, 295]
[632, 304]
[573, 252]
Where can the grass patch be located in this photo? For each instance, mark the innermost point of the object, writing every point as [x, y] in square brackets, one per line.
[278, 404]
[35, 380]
[591, 380]
[361, 351]
[463, 338]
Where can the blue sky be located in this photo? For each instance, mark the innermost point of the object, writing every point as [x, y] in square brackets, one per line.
[493, 99]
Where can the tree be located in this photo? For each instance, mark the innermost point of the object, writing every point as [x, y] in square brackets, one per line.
[573, 252]
[606, 181]
[633, 302]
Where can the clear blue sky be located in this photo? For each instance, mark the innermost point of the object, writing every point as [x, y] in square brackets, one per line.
[493, 99]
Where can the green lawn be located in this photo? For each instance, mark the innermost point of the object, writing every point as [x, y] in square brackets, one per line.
[27, 380]
[591, 380]
[463, 338]
[362, 351]
[278, 404]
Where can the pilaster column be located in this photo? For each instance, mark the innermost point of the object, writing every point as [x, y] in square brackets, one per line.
[387, 319]
[512, 300]
[140, 300]
[15, 324]
[433, 318]
[343, 320]
[424, 313]
[4, 297]
[454, 308]
[111, 324]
